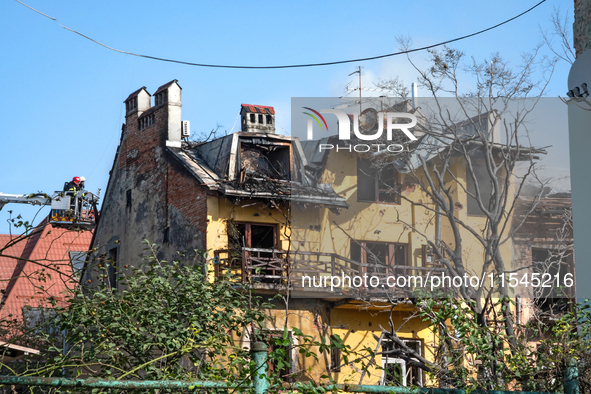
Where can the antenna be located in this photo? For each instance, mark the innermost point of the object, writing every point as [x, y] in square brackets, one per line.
[355, 72]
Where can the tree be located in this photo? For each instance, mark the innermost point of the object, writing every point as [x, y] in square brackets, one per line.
[165, 321]
[480, 343]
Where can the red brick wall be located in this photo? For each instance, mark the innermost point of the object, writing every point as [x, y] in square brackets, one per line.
[143, 153]
[188, 196]
[137, 144]
[165, 197]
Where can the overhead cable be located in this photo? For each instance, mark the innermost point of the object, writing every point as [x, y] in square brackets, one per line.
[364, 59]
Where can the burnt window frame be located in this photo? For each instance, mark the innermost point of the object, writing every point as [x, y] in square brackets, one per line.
[248, 232]
[235, 251]
[375, 174]
[293, 174]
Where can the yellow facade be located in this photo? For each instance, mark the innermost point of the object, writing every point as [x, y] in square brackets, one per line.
[318, 229]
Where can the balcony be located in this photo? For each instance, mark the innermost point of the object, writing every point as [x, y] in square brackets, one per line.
[304, 273]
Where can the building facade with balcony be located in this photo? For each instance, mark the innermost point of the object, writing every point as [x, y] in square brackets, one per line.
[284, 217]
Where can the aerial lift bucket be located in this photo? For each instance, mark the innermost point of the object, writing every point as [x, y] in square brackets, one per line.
[73, 209]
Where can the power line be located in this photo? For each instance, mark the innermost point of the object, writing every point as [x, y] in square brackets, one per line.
[290, 65]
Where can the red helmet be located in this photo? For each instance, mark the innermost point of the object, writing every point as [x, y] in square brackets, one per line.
[76, 180]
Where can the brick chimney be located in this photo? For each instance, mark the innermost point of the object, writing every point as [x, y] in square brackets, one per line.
[257, 118]
[137, 102]
[169, 96]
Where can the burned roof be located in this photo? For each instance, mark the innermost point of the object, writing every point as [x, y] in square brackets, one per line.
[542, 216]
[257, 165]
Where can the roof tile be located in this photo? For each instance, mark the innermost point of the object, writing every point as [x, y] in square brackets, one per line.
[262, 109]
[38, 268]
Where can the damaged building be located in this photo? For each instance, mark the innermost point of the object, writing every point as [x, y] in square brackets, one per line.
[543, 245]
[276, 210]
[231, 192]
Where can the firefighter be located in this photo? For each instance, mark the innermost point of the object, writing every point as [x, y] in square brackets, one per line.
[71, 188]
[74, 185]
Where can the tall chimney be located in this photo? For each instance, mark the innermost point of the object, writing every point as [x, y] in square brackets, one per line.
[257, 118]
[169, 95]
[137, 102]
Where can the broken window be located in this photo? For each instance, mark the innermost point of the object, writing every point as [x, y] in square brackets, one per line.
[262, 238]
[260, 119]
[252, 118]
[376, 184]
[396, 371]
[253, 235]
[272, 161]
[269, 119]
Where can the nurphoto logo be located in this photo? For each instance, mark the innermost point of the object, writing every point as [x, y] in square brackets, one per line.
[344, 123]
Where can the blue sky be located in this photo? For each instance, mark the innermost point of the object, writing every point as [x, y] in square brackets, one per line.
[62, 95]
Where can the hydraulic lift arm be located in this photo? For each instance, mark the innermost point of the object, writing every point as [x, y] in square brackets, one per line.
[32, 199]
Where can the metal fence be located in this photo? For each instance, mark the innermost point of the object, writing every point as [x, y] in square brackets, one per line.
[260, 384]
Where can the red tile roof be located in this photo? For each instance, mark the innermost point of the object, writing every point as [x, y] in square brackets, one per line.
[37, 268]
[263, 109]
